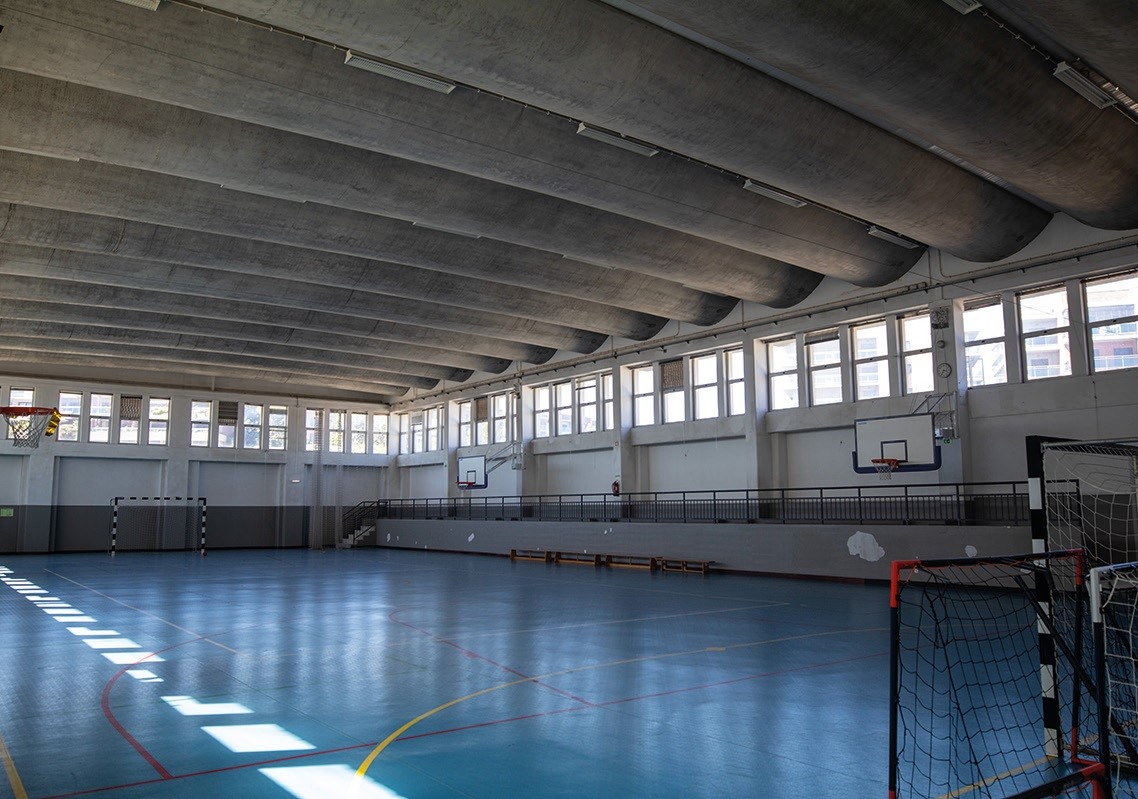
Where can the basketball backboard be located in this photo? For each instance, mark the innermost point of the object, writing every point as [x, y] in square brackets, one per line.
[471, 472]
[910, 439]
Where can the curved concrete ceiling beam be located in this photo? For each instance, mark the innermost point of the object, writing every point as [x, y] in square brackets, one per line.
[304, 87]
[108, 190]
[87, 233]
[262, 323]
[591, 62]
[73, 274]
[1101, 32]
[97, 125]
[142, 323]
[220, 350]
[16, 349]
[903, 62]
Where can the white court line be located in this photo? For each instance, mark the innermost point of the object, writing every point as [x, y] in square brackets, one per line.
[111, 643]
[89, 631]
[143, 612]
[70, 619]
[320, 782]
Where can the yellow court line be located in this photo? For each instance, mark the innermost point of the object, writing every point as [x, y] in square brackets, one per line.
[10, 768]
[366, 764]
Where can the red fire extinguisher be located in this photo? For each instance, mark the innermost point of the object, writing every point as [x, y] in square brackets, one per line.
[616, 488]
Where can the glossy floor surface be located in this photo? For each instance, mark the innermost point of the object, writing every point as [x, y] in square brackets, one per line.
[291, 673]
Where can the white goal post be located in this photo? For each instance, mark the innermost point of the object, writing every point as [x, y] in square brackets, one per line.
[158, 524]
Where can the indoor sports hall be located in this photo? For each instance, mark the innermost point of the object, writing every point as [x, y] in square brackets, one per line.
[575, 398]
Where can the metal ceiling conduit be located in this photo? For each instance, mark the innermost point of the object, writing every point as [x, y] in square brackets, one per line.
[958, 81]
[87, 233]
[167, 285]
[142, 323]
[108, 190]
[303, 86]
[103, 126]
[592, 62]
[1101, 32]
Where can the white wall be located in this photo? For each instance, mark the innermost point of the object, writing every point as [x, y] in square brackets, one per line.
[241, 484]
[96, 481]
[579, 472]
[696, 465]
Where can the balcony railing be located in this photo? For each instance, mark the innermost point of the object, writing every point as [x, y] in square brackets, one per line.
[954, 504]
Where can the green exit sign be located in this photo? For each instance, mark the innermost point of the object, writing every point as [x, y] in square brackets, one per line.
[5, 512]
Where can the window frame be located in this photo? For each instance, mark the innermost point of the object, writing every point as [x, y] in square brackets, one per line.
[814, 370]
[795, 371]
[66, 420]
[198, 424]
[879, 358]
[909, 384]
[990, 341]
[1126, 319]
[1058, 331]
[155, 422]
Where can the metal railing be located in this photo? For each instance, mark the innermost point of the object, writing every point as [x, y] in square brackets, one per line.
[954, 504]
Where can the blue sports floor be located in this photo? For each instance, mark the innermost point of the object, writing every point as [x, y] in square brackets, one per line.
[292, 673]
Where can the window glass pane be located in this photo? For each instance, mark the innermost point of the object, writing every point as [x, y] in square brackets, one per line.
[673, 406]
[100, 430]
[826, 386]
[379, 423]
[541, 424]
[251, 437]
[1114, 347]
[1115, 298]
[916, 333]
[784, 391]
[869, 341]
[1047, 356]
[128, 431]
[276, 438]
[588, 415]
[564, 421]
[986, 364]
[734, 364]
[25, 397]
[156, 432]
[644, 411]
[226, 434]
[706, 402]
[984, 323]
[782, 356]
[101, 405]
[252, 414]
[159, 409]
[919, 373]
[199, 411]
[541, 398]
[564, 394]
[1044, 310]
[824, 353]
[872, 379]
[736, 399]
[70, 404]
[642, 380]
[705, 369]
[278, 416]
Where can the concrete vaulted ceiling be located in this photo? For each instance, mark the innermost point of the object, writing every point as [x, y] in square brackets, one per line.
[208, 191]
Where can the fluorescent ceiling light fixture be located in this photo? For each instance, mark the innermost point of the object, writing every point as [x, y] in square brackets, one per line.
[617, 140]
[319, 782]
[149, 5]
[892, 238]
[399, 73]
[439, 229]
[962, 6]
[1091, 91]
[772, 194]
[258, 738]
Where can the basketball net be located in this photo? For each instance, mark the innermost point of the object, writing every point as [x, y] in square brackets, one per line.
[28, 425]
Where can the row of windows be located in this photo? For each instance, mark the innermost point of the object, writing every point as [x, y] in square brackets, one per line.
[581, 405]
[692, 387]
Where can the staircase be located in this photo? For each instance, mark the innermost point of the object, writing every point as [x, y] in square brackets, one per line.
[359, 524]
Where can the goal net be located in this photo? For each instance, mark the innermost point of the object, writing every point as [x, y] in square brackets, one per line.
[150, 524]
[981, 697]
[1114, 600]
[1090, 491]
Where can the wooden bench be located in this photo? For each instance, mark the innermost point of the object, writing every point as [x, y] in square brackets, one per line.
[578, 558]
[632, 562]
[531, 554]
[683, 565]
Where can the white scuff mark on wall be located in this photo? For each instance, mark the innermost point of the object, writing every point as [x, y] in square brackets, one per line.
[389, 537]
[970, 551]
[865, 546]
[470, 537]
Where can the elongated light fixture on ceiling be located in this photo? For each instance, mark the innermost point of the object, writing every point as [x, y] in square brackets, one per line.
[962, 6]
[773, 194]
[399, 73]
[617, 140]
[892, 238]
[149, 5]
[1091, 91]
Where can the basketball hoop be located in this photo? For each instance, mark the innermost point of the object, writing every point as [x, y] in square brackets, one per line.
[885, 467]
[28, 425]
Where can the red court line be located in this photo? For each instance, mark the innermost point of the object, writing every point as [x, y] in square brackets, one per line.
[471, 654]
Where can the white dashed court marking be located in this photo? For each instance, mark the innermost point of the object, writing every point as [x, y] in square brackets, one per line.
[89, 631]
[128, 658]
[320, 782]
[112, 643]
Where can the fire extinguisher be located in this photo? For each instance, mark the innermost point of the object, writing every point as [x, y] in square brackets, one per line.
[616, 488]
